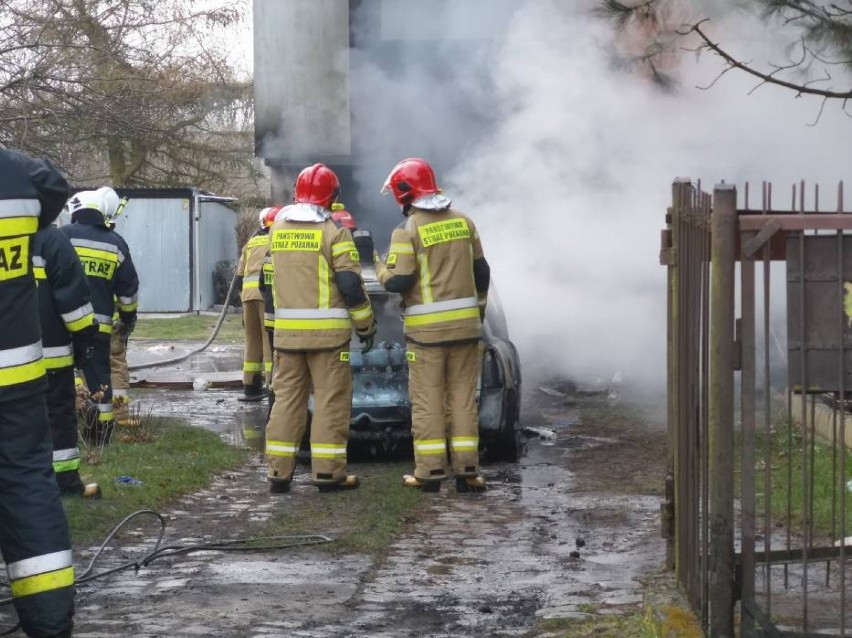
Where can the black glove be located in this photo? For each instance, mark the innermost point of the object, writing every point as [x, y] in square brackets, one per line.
[367, 337]
[125, 326]
[84, 345]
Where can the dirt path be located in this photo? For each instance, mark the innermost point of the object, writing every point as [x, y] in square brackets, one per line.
[567, 531]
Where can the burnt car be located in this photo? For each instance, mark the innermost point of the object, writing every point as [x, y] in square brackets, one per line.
[381, 411]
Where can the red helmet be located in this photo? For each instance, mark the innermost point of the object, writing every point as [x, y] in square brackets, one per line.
[318, 185]
[271, 214]
[410, 179]
[344, 219]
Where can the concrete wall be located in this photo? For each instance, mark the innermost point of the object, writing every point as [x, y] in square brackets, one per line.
[301, 74]
[824, 422]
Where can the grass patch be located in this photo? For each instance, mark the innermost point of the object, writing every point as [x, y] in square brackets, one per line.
[363, 520]
[787, 464]
[179, 459]
[632, 625]
[198, 327]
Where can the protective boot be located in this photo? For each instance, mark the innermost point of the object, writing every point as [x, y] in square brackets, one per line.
[409, 480]
[255, 391]
[466, 484]
[351, 482]
[279, 486]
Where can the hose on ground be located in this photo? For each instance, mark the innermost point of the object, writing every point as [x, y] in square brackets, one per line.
[202, 347]
[251, 544]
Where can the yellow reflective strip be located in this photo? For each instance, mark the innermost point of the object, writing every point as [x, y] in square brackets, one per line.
[83, 322]
[425, 279]
[11, 226]
[66, 466]
[105, 327]
[324, 294]
[251, 366]
[267, 366]
[361, 313]
[251, 284]
[431, 446]
[260, 240]
[313, 324]
[464, 442]
[42, 582]
[128, 307]
[328, 450]
[52, 363]
[402, 248]
[281, 448]
[22, 373]
[106, 416]
[14, 257]
[104, 255]
[342, 247]
[39, 272]
[440, 317]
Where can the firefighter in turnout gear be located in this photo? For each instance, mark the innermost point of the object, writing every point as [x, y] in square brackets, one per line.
[119, 374]
[33, 529]
[436, 263]
[266, 289]
[68, 332]
[319, 298]
[257, 360]
[114, 286]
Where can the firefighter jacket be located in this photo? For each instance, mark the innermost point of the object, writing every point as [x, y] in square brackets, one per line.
[32, 193]
[436, 262]
[109, 269]
[267, 281]
[251, 263]
[322, 297]
[64, 301]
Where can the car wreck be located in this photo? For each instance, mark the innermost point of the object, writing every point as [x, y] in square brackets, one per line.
[381, 410]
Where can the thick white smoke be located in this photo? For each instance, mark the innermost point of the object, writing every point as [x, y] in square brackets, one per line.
[566, 161]
[571, 189]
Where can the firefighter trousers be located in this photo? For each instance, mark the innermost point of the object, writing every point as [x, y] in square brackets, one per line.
[119, 376]
[62, 413]
[442, 387]
[33, 528]
[329, 374]
[97, 373]
[257, 360]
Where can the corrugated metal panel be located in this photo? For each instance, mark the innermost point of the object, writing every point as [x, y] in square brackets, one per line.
[217, 241]
[157, 231]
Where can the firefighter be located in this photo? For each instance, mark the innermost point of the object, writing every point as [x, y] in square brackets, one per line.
[257, 359]
[319, 297]
[266, 285]
[33, 528]
[436, 262]
[119, 375]
[114, 286]
[68, 330]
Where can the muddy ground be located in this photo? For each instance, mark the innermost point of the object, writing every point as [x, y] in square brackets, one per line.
[570, 530]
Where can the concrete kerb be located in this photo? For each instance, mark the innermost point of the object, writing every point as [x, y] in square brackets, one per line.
[667, 614]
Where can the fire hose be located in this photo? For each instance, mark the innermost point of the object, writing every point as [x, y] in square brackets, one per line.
[202, 347]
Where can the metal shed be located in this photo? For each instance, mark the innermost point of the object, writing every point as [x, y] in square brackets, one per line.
[176, 237]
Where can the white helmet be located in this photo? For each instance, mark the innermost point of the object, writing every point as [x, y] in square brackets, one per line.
[261, 217]
[104, 200]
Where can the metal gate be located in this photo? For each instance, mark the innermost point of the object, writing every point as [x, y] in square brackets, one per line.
[757, 508]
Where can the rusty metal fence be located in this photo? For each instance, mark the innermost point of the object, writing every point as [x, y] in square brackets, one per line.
[759, 485]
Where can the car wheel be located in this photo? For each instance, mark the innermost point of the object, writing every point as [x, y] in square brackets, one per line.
[508, 445]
